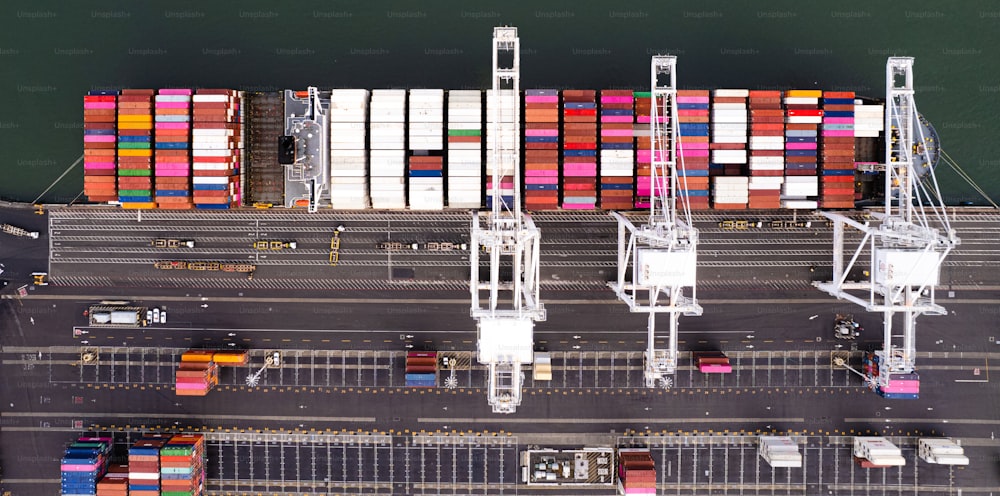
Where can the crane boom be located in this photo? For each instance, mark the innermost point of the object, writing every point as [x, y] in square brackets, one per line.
[505, 329]
[660, 257]
[906, 248]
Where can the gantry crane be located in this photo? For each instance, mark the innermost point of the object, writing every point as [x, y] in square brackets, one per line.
[505, 332]
[906, 248]
[661, 256]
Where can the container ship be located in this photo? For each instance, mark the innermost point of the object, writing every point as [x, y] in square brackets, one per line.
[427, 149]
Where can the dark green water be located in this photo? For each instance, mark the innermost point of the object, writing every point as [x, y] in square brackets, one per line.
[51, 53]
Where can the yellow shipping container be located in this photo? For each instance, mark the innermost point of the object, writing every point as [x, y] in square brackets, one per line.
[804, 93]
[197, 356]
[138, 205]
[135, 118]
[135, 152]
[227, 358]
[135, 125]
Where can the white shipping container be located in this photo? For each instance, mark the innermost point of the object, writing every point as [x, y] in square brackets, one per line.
[742, 107]
[800, 204]
[730, 132]
[766, 167]
[211, 98]
[739, 93]
[210, 180]
[729, 156]
[804, 120]
[731, 180]
[729, 139]
[774, 145]
[729, 116]
[468, 156]
[209, 166]
[767, 160]
[728, 126]
[800, 189]
[801, 100]
[197, 132]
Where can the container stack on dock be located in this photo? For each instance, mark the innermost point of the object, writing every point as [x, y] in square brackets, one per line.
[643, 154]
[99, 146]
[767, 149]
[426, 144]
[802, 119]
[541, 149]
[901, 386]
[135, 153]
[838, 150]
[172, 155]
[182, 466]
[196, 378]
[636, 472]
[731, 192]
[465, 148]
[509, 137]
[421, 369]
[729, 132]
[388, 151]
[693, 146]
[348, 152]
[617, 153]
[216, 143]
[144, 466]
[869, 120]
[115, 482]
[579, 149]
[83, 464]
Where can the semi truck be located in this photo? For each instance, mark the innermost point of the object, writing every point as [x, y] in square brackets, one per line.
[542, 366]
[877, 452]
[942, 451]
[779, 451]
[275, 245]
[117, 316]
[172, 243]
[17, 231]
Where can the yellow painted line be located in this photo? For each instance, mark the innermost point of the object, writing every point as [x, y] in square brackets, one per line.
[345, 340]
[286, 340]
[266, 339]
[325, 340]
[306, 340]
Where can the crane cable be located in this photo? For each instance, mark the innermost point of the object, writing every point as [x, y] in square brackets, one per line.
[965, 176]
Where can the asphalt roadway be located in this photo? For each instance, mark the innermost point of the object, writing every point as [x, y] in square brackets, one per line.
[777, 332]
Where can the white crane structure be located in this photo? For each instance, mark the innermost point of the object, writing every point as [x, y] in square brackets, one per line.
[906, 247]
[659, 258]
[505, 329]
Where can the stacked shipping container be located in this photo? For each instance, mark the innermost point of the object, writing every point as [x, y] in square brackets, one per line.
[643, 154]
[767, 149]
[387, 149]
[216, 145]
[693, 146]
[196, 379]
[579, 150]
[802, 116]
[541, 149]
[348, 150]
[617, 153]
[421, 369]
[426, 144]
[636, 472]
[144, 466]
[115, 482]
[135, 153]
[465, 148]
[172, 154]
[99, 146]
[83, 464]
[182, 466]
[869, 120]
[729, 132]
[509, 138]
[838, 150]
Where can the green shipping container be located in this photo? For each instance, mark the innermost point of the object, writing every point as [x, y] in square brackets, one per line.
[133, 192]
[464, 132]
[135, 172]
[133, 145]
[642, 94]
